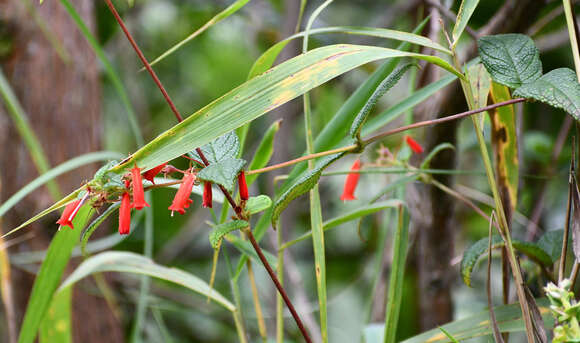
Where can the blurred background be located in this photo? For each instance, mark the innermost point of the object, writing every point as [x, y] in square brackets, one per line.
[74, 108]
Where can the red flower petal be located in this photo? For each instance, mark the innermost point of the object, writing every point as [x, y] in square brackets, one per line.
[138, 193]
[207, 195]
[125, 215]
[350, 183]
[150, 174]
[416, 147]
[181, 200]
[68, 214]
[243, 186]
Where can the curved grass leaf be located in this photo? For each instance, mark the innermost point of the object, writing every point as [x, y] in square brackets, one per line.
[383, 87]
[509, 319]
[69, 165]
[474, 252]
[231, 9]
[127, 262]
[268, 58]
[434, 152]
[302, 185]
[349, 216]
[50, 274]
[463, 15]
[258, 204]
[259, 96]
[219, 231]
[223, 172]
[264, 151]
[558, 88]
[511, 59]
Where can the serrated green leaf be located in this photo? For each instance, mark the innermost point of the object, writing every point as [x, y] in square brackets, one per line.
[258, 204]
[474, 252]
[302, 185]
[50, 274]
[558, 88]
[221, 148]
[551, 243]
[511, 59]
[259, 96]
[383, 87]
[264, 151]
[223, 172]
[128, 262]
[219, 231]
[463, 15]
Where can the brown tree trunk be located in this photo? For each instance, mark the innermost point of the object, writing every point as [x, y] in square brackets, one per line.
[53, 72]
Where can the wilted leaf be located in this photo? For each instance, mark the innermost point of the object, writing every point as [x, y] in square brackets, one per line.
[511, 59]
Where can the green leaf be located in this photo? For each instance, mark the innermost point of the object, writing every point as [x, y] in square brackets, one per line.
[474, 252]
[267, 59]
[302, 185]
[551, 243]
[223, 172]
[258, 204]
[509, 319]
[558, 88]
[383, 87]
[480, 82]
[56, 325]
[264, 151]
[231, 9]
[128, 262]
[259, 96]
[221, 148]
[434, 152]
[219, 231]
[463, 15]
[50, 274]
[511, 59]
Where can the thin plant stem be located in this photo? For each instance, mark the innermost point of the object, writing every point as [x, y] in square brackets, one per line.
[574, 273]
[257, 306]
[562, 266]
[228, 196]
[279, 300]
[572, 33]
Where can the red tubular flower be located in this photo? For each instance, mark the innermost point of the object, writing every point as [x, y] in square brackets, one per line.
[150, 174]
[244, 195]
[125, 215]
[350, 183]
[138, 193]
[181, 200]
[69, 213]
[416, 147]
[207, 196]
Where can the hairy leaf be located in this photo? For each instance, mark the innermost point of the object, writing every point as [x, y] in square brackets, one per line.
[511, 59]
[383, 87]
[221, 148]
[219, 231]
[474, 252]
[302, 185]
[558, 88]
[223, 172]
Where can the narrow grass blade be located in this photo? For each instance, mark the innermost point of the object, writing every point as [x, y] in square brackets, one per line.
[400, 245]
[465, 12]
[50, 274]
[264, 151]
[231, 9]
[127, 262]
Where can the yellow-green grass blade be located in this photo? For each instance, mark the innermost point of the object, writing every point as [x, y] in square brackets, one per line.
[465, 12]
[56, 325]
[50, 274]
[259, 96]
[127, 262]
[231, 9]
[266, 60]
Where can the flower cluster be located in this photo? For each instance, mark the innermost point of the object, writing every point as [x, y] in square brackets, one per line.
[133, 195]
